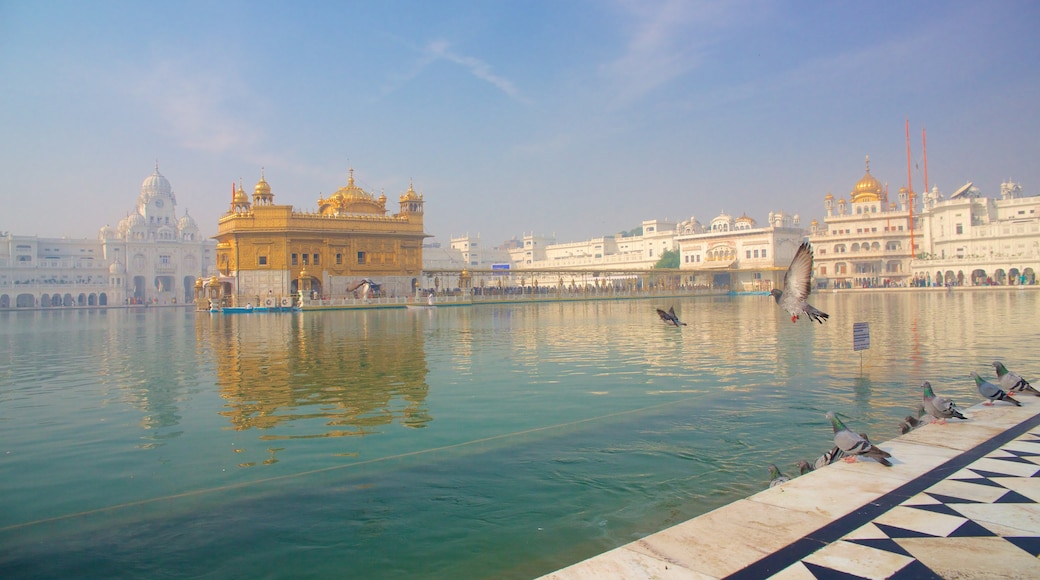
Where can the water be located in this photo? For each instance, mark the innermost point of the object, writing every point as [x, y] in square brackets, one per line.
[493, 441]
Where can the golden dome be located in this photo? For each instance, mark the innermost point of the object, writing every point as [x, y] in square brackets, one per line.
[351, 199]
[828, 197]
[352, 192]
[867, 189]
[410, 195]
[262, 187]
[240, 196]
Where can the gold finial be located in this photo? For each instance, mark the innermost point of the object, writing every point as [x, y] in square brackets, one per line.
[868, 163]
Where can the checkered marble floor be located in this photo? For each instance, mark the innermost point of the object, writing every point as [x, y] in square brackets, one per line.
[961, 501]
[982, 521]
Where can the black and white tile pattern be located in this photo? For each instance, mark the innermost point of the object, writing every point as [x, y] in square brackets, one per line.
[979, 519]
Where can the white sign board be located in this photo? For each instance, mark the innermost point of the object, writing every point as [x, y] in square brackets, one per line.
[860, 336]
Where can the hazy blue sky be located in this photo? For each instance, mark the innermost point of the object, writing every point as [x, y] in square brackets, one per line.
[579, 118]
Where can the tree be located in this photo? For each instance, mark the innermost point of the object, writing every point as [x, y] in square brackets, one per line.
[669, 259]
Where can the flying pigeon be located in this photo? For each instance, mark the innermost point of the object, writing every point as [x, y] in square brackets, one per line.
[938, 407]
[992, 392]
[670, 316]
[796, 287]
[775, 477]
[855, 445]
[1011, 382]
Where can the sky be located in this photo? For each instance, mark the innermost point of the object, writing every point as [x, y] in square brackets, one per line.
[566, 118]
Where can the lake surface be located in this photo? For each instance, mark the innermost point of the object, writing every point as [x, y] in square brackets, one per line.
[488, 441]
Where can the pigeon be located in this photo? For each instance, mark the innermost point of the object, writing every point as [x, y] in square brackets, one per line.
[804, 467]
[670, 316]
[775, 477]
[992, 392]
[939, 407]
[796, 287]
[855, 445]
[909, 424]
[1011, 382]
[828, 458]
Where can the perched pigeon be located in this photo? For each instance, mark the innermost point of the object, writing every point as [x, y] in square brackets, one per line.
[992, 392]
[670, 316]
[796, 287]
[775, 477]
[939, 407]
[804, 467]
[909, 424]
[855, 445]
[1011, 382]
[828, 458]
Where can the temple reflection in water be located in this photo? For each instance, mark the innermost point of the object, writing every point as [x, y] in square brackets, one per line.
[302, 377]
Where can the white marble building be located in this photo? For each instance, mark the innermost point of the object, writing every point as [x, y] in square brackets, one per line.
[638, 252]
[738, 254]
[865, 243]
[974, 240]
[151, 257]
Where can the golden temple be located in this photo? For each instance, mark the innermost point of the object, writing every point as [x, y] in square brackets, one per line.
[268, 253]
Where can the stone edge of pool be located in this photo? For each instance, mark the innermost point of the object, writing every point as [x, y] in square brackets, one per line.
[770, 531]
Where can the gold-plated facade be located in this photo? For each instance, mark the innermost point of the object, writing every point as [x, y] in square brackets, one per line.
[268, 248]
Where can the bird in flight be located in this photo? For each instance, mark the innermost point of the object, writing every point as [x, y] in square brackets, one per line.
[796, 287]
[670, 316]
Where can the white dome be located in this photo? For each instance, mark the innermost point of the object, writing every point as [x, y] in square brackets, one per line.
[117, 268]
[107, 232]
[156, 184]
[187, 224]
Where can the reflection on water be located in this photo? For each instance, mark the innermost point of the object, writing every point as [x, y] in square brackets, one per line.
[140, 442]
[330, 375]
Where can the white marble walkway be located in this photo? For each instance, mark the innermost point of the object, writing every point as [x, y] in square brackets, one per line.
[962, 500]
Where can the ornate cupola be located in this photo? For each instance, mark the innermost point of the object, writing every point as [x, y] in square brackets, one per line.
[411, 202]
[262, 192]
[240, 202]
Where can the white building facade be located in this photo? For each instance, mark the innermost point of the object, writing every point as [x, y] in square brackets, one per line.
[866, 243]
[151, 257]
[971, 240]
[738, 254]
[635, 252]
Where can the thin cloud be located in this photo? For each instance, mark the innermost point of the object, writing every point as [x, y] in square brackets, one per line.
[440, 50]
[667, 39]
[478, 68]
[199, 108]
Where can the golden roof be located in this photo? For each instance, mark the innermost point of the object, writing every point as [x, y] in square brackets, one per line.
[240, 196]
[351, 199]
[262, 187]
[410, 195]
[867, 188]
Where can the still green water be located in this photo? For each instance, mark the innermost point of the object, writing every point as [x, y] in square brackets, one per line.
[492, 441]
